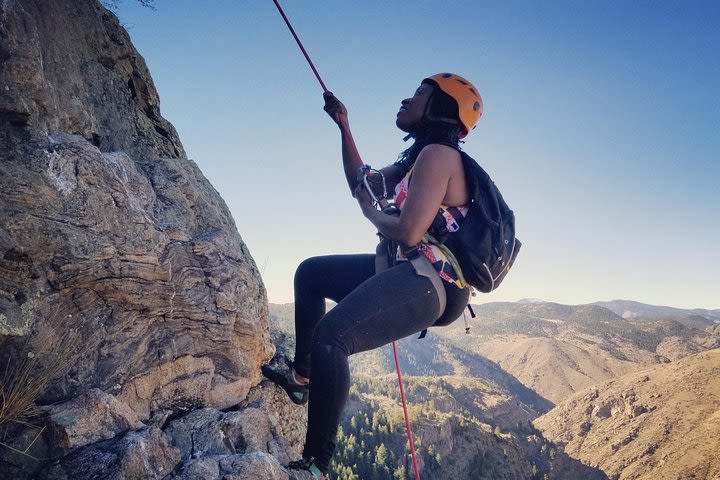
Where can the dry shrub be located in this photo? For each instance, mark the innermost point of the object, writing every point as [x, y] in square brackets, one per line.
[48, 354]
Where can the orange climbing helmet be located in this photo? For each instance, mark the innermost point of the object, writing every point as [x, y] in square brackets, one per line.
[470, 104]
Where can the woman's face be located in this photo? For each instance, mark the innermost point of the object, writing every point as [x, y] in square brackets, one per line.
[412, 109]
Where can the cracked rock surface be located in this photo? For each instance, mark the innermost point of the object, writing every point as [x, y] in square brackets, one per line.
[108, 230]
[251, 441]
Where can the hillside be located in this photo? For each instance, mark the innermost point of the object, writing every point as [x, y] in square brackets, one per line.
[658, 423]
[557, 350]
[431, 356]
[454, 434]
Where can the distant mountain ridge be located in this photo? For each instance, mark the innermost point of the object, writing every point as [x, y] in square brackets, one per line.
[631, 310]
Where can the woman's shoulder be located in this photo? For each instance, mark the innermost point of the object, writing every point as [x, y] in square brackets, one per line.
[439, 153]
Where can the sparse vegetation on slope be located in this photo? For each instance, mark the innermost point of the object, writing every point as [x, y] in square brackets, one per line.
[656, 424]
[454, 435]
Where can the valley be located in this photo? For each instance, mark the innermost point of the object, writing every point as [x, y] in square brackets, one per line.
[502, 401]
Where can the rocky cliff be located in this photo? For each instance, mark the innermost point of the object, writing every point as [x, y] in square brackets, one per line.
[127, 296]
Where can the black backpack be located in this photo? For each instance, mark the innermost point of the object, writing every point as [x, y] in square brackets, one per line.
[485, 246]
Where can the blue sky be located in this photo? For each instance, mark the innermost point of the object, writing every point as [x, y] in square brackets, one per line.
[601, 127]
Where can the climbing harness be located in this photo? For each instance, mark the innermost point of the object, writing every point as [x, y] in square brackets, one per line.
[385, 207]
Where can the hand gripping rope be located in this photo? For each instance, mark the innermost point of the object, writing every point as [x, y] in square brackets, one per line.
[366, 171]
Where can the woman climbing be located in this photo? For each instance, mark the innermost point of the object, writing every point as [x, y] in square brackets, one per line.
[377, 305]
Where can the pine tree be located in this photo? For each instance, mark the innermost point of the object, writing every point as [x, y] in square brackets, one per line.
[354, 393]
[381, 455]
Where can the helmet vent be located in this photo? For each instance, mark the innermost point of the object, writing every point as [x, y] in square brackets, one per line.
[476, 106]
[474, 92]
[464, 83]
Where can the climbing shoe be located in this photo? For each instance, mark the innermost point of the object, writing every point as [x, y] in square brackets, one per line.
[307, 464]
[283, 376]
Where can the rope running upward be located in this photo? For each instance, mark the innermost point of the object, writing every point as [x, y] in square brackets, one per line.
[348, 135]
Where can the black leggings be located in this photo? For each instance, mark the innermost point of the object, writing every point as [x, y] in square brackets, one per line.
[371, 311]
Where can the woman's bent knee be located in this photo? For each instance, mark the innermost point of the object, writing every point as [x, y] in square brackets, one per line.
[306, 268]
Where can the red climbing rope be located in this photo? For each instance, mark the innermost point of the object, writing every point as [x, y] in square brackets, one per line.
[346, 132]
[407, 418]
[344, 126]
[307, 57]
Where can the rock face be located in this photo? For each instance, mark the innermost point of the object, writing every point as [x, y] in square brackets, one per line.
[120, 266]
[251, 442]
[68, 66]
[90, 418]
[141, 454]
[660, 423]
